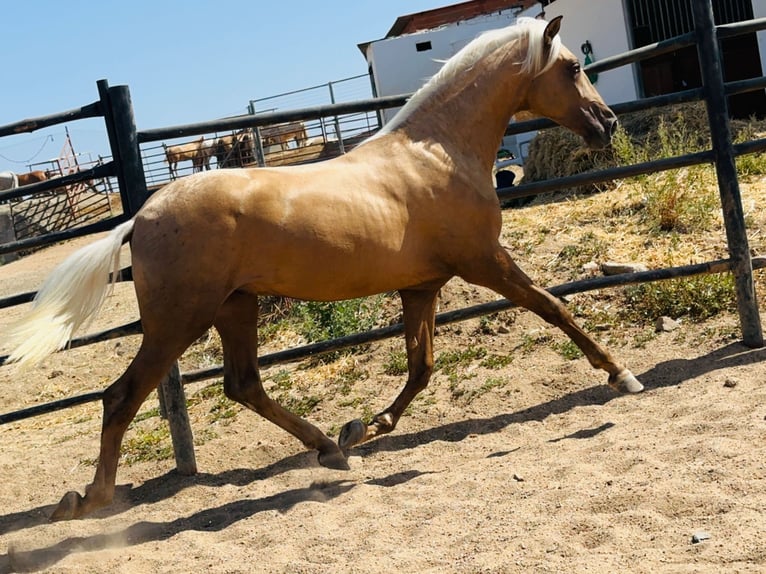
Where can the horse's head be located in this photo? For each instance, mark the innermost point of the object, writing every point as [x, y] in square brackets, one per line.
[563, 93]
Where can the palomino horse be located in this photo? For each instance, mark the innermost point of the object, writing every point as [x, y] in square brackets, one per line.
[198, 152]
[406, 210]
[283, 134]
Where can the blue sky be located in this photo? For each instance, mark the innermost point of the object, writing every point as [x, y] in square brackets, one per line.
[185, 61]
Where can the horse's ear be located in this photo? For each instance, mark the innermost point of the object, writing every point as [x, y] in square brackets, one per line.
[551, 30]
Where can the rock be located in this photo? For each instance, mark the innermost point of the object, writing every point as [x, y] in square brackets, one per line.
[666, 325]
[613, 268]
[591, 268]
[730, 383]
[700, 536]
[518, 477]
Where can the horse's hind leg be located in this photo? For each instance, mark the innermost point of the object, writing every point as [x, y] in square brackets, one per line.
[121, 403]
[419, 308]
[237, 323]
[501, 274]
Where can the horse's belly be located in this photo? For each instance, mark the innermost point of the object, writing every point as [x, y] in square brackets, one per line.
[329, 279]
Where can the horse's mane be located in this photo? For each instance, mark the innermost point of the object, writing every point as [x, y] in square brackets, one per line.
[535, 61]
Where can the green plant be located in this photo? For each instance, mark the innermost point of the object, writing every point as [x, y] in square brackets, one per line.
[681, 200]
[449, 361]
[145, 445]
[568, 350]
[752, 163]
[697, 298]
[396, 363]
[318, 320]
[497, 361]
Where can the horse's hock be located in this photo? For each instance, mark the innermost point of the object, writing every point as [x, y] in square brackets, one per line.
[7, 233]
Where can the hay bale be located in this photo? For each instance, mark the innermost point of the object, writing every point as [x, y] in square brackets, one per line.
[558, 152]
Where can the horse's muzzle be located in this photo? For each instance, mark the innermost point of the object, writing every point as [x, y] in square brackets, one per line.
[603, 125]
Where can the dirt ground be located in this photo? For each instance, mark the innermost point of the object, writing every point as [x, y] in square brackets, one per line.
[545, 470]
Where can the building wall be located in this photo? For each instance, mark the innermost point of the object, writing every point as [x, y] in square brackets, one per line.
[604, 24]
[399, 68]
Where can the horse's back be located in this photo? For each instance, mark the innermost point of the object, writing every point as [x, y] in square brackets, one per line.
[324, 231]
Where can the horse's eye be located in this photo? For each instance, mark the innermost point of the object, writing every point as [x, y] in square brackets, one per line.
[576, 68]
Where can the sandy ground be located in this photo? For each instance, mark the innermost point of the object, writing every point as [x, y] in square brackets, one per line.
[547, 471]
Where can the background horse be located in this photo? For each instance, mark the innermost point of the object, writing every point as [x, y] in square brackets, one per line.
[32, 177]
[283, 134]
[235, 150]
[405, 211]
[192, 151]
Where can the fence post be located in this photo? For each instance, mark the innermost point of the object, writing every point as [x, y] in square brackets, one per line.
[341, 147]
[726, 171]
[173, 402]
[123, 140]
[260, 156]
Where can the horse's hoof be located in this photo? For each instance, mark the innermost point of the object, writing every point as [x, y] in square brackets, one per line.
[625, 382]
[353, 432]
[68, 508]
[334, 460]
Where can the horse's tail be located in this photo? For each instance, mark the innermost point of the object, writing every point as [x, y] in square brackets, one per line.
[71, 294]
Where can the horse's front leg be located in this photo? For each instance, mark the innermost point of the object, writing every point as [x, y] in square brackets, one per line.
[501, 274]
[419, 308]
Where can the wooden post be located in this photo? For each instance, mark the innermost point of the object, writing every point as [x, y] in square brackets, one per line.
[173, 402]
[726, 170]
[123, 139]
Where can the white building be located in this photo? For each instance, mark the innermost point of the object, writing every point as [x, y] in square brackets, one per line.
[414, 49]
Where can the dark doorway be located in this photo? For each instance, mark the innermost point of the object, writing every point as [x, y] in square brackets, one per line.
[655, 20]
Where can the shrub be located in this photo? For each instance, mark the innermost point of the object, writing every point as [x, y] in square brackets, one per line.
[697, 298]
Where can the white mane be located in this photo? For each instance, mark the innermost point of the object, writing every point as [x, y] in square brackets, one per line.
[483, 45]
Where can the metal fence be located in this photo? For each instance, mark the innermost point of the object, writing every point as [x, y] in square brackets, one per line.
[270, 144]
[130, 168]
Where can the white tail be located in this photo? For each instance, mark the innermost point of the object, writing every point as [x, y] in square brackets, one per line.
[71, 294]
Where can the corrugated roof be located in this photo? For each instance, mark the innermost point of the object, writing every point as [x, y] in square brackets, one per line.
[430, 19]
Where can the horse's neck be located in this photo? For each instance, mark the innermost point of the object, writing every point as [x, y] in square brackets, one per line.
[472, 111]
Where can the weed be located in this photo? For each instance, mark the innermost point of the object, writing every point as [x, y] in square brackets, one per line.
[530, 340]
[299, 406]
[148, 414]
[396, 364]
[497, 361]
[697, 297]
[317, 320]
[752, 163]
[568, 350]
[682, 200]
[642, 338]
[146, 445]
[449, 361]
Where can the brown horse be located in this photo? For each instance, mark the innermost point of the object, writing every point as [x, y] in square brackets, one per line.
[234, 150]
[406, 210]
[32, 177]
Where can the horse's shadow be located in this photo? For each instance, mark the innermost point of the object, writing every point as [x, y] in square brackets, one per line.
[666, 374]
